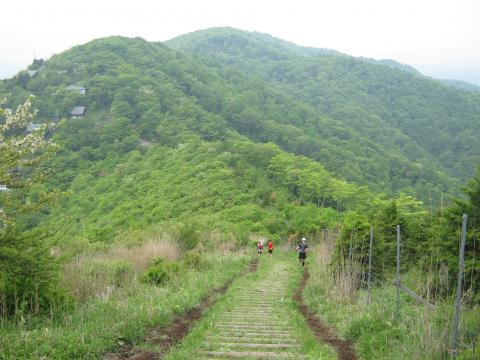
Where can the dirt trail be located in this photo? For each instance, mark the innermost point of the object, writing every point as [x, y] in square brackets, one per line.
[322, 331]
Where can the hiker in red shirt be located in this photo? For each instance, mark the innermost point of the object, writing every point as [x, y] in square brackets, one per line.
[270, 248]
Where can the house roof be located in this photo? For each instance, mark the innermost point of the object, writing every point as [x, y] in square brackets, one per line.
[78, 111]
[33, 127]
[75, 88]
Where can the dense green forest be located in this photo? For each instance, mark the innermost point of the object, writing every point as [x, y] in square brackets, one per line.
[432, 126]
[166, 137]
[355, 144]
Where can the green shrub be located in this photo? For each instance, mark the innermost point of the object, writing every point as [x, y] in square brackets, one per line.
[194, 260]
[28, 274]
[365, 326]
[189, 235]
[161, 273]
[123, 273]
[158, 261]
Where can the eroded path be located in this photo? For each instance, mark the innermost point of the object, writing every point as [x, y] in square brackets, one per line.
[257, 319]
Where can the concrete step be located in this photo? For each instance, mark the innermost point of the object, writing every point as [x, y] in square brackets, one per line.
[263, 325]
[249, 312]
[259, 334]
[244, 345]
[237, 325]
[252, 339]
[254, 355]
[237, 330]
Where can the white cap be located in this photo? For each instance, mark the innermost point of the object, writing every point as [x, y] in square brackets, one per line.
[303, 239]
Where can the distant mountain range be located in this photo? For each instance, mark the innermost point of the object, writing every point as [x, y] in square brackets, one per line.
[288, 47]
[381, 104]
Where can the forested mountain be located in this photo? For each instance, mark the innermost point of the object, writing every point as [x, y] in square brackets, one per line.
[161, 139]
[240, 137]
[463, 85]
[431, 125]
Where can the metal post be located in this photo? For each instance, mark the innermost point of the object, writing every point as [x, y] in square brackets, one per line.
[350, 247]
[397, 311]
[370, 267]
[456, 318]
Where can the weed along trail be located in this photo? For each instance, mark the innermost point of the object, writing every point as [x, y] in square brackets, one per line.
[256, 319]
[323, 332]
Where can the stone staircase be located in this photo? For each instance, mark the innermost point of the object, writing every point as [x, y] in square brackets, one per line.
[257, 326]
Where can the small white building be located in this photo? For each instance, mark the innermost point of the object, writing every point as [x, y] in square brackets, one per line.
[31, 127]
[75, 88]
[3, 188]
[77, 112]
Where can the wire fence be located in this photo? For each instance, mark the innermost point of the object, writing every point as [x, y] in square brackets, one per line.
[368, 276]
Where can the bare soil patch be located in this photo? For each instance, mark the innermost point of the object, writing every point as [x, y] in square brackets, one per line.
[322, 331]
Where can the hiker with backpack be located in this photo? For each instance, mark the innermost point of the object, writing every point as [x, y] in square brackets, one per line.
[302, 251]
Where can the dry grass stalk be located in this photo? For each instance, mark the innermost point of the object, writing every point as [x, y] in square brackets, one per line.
[347, 281]
[142, 255]
[343, 282]
[98, 275]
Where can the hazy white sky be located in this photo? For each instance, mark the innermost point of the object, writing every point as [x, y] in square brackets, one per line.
[441, 38]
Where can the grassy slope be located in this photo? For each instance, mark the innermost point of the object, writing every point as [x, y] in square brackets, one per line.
[420, 334]
[99, 326]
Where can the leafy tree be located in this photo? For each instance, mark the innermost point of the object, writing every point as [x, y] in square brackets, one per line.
[26, 267]
[447, 248]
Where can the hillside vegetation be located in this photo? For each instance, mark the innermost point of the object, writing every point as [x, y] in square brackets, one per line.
[425, 130]
[214, 141]
[166, 136]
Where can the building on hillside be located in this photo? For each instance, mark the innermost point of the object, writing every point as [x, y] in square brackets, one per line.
[31, 127]
[75, 88]
[77, 112]
[33, 72]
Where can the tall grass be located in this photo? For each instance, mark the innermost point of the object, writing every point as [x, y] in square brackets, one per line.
[421, 333]
[115, 308]
[100, 274]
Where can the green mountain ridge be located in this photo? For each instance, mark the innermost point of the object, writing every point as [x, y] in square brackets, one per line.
[194, 39]
[154, 145]
[414, 110]
[170, 135]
